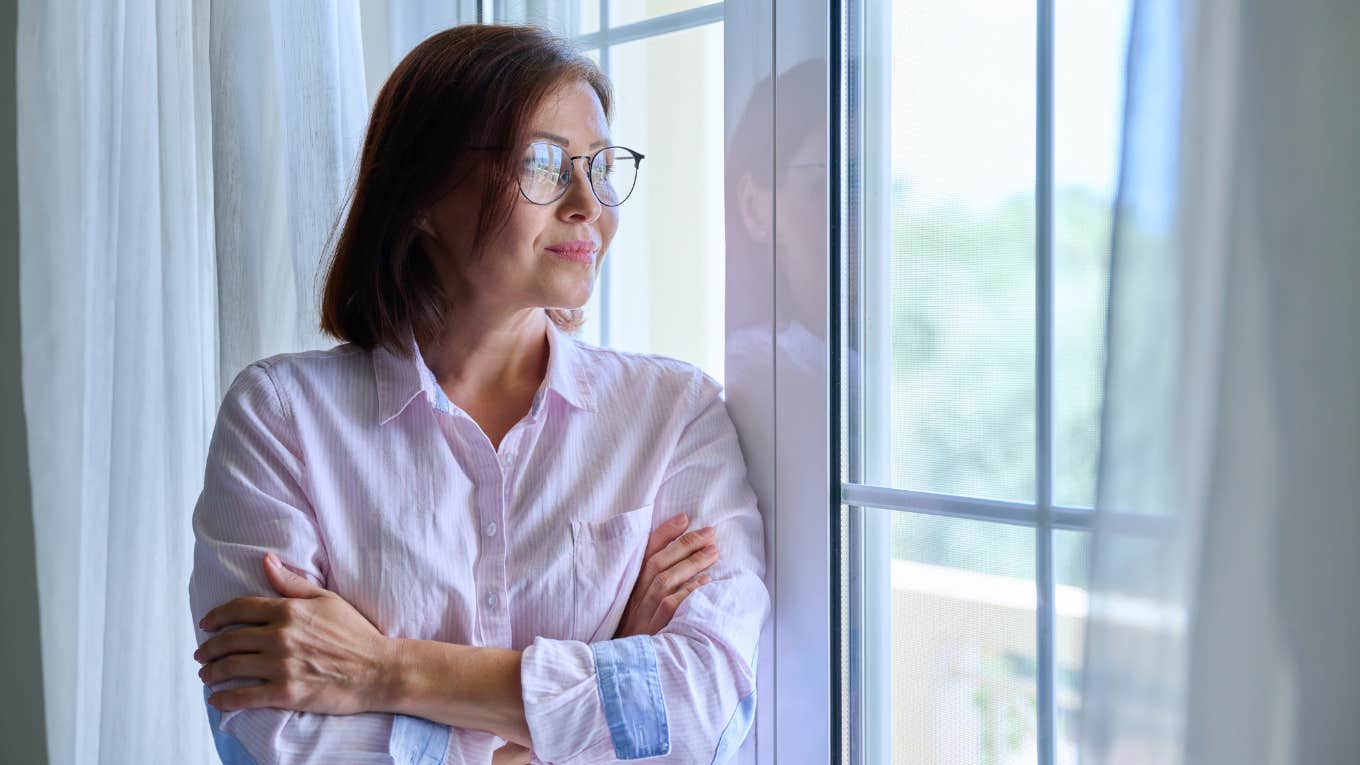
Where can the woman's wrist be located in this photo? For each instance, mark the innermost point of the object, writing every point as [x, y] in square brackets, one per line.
[463, 686]
[391, 689]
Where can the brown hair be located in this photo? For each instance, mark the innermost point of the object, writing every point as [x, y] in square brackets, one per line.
[471, 85]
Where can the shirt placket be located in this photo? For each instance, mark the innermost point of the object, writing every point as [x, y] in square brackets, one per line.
[495, 484]
[496, 494]
[493, 494]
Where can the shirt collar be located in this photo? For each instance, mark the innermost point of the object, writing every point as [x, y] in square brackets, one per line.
[400, 378]
[568, 374]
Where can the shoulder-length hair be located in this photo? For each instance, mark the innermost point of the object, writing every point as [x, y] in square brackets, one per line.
[471, 85]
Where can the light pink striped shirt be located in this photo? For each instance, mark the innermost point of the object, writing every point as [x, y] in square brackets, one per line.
[357, 470]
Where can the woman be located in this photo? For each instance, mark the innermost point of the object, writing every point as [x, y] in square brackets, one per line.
[494, 543]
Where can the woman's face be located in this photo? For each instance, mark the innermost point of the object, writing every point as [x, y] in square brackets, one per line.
[517, 268]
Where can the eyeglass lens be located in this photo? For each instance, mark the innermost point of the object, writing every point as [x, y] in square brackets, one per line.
[548, 169]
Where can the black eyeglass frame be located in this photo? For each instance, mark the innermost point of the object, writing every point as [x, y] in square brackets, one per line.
[571, 168]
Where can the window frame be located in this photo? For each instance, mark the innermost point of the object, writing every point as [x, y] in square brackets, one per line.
[860, 74]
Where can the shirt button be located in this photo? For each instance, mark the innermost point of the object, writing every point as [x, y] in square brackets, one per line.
[491, 529]
[491, 600]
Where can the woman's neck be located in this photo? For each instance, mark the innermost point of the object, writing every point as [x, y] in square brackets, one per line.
[481, 354]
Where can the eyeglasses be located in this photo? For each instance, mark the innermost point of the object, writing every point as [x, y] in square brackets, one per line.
[546, 170]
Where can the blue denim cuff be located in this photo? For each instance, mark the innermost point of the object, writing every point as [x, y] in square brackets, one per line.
[229, 750]
[417, 741]
[413, 741]
[630, 689]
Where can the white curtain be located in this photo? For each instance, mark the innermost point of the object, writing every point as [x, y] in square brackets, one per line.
[180, 168]
[1224, 624]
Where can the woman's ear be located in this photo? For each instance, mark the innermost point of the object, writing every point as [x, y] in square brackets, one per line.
[754, 205]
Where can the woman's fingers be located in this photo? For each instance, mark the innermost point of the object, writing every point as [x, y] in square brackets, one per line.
[241, 640]
[673, 558]
[239, 665]
[677, 550]
[671, 603]
[682, 571]
[658, 540]
[247, 610]
[666, 533]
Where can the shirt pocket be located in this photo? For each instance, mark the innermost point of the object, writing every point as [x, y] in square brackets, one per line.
[606, 559]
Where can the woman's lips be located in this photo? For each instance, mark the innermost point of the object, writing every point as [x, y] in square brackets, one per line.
[576, 252]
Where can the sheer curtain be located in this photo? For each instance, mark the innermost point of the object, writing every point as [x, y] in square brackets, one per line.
[1223, 621]
[180, 168]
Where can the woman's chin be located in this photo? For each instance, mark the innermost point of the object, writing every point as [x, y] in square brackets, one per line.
[567, 301]
[572, 294]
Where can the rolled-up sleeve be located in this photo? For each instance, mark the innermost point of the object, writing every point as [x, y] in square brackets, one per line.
[252, 502]
[686, 694]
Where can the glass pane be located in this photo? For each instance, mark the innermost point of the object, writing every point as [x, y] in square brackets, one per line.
[666, 279]
[1089, 51]
[1071, 560]
[629, 11]
[963, 642]
[962, 215]
[566, 17]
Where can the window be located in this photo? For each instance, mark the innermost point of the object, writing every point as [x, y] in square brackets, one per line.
[661, 288]
[980, 145]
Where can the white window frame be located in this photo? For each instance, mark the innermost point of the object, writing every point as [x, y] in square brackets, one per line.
[862, 72]
[864, 69]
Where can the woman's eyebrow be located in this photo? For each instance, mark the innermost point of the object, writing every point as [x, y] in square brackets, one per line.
[565, 142]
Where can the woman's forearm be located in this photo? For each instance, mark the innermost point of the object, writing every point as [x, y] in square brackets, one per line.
[458, 685]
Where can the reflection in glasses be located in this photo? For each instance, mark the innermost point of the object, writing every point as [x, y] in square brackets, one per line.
[547, 171]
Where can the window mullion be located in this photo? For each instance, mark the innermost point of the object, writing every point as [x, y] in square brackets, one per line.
[868, 243]
[1043, 382]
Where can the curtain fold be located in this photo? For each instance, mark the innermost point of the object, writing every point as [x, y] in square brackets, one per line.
[1222, 624]
[289, 104]
[180, 168]
[118, 337]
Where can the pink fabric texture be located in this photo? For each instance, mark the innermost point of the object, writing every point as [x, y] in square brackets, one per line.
[353, 466]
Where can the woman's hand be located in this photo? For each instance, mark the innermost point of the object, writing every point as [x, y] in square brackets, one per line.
[314, 651]
[510, 754]
[672, 568]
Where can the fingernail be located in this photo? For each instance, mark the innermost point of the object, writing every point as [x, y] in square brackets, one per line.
[679, 520]
[272, 558]
[707, 531]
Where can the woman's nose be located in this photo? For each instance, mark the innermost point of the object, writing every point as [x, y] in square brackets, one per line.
[580, 202]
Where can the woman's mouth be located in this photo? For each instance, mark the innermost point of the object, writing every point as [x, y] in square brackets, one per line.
[578, 252]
